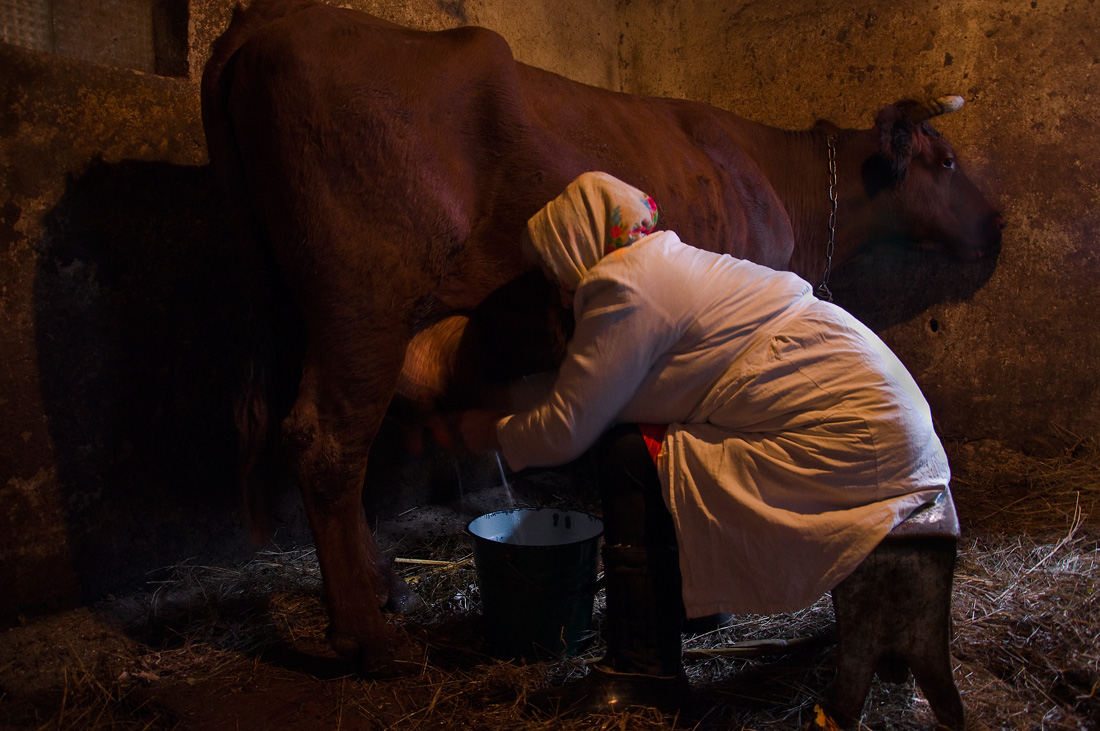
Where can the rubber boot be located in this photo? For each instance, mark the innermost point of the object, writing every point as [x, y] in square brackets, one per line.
[645, 610]
[642, 666]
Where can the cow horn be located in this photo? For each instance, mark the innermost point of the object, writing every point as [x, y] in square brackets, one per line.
[936, 107]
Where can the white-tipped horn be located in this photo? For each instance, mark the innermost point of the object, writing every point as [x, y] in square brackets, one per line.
[936, 107]
[951, 103]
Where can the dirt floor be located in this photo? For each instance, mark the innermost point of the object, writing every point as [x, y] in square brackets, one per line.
[243, 647]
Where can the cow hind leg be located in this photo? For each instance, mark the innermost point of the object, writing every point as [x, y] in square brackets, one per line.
[327, 437]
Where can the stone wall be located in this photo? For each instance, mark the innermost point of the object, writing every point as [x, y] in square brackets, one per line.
[113, 449]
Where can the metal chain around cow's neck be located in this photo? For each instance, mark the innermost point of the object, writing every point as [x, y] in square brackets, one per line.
[822, 290]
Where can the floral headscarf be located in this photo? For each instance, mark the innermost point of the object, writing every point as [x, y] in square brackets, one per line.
[595, 215]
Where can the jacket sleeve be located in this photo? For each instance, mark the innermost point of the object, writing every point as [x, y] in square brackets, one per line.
[620, 334]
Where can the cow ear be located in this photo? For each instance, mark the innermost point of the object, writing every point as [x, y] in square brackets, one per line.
[897, 132]
[890, 162]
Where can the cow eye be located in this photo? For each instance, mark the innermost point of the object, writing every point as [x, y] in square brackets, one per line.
[948, 163]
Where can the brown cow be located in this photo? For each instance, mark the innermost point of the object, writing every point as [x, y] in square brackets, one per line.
[388, 173]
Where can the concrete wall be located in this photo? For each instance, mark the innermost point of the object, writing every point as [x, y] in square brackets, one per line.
[1017, 359]
[117, 290]
[113, 288]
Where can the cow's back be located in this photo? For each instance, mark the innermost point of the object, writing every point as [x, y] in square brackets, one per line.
[414, 137]
[444, 136]
[688, 156]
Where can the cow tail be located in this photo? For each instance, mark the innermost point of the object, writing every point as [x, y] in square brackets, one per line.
[268, 381]
[253, 420]
[271, 364]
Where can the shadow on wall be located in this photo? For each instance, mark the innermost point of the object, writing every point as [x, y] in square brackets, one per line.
[889, 285]
[140, 325]
[138, 328]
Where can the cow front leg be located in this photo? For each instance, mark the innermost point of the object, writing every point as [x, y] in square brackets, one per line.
[327, 442]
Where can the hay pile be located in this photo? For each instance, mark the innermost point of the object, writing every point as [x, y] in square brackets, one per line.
[244, 648]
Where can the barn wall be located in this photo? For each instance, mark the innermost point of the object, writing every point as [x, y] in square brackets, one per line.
[114, 452]
[1013, 358]
[118, 302]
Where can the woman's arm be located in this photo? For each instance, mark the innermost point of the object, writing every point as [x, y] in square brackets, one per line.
[620, 334]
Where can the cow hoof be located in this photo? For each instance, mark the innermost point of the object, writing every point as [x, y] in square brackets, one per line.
[345, 645]
[379, 642]
[391, 656]
[402, 599]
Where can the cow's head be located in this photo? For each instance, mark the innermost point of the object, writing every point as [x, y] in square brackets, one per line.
[927, 200]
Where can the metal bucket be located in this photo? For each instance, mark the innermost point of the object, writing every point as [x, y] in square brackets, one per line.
[536, 569]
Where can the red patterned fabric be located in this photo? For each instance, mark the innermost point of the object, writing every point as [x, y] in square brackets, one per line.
[654, 436]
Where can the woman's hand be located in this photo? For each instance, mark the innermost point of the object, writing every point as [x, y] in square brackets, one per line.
[479, 430]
